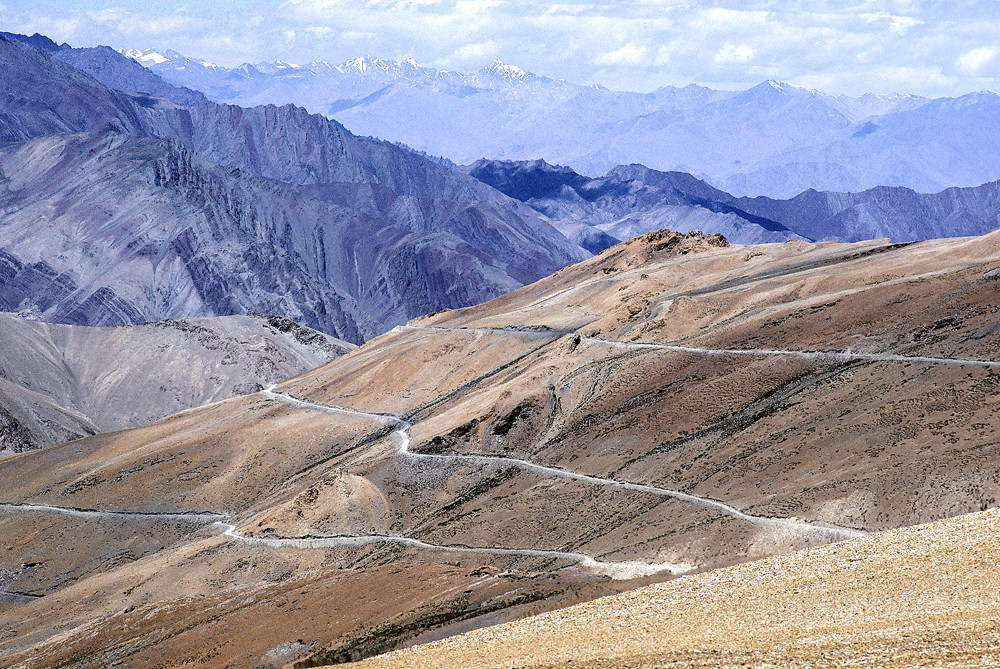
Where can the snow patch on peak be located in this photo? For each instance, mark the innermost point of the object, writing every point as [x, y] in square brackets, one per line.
[361, 65]
[497, 68]
[152, 57]
[146, 56]
[785, 87]
[368, 66]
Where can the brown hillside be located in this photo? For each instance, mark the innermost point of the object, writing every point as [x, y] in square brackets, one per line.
[673, 405]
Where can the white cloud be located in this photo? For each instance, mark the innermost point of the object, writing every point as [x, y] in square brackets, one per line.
[319, 31]
[463, 6]
[974, 61]
[477, 53]
[735, 53]
[718, 18]
[630, 54]
[915, 46]
[898, 24]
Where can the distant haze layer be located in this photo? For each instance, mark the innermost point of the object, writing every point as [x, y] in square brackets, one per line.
[773, 139]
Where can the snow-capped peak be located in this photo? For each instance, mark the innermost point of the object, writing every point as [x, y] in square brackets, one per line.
[360, 65]
[154, 57]
[786, 87]
[366, 65]
[145, 56]
[498, 69]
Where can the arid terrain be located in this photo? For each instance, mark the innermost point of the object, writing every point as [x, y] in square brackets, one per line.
[671, 406]
[914, 597]
[62, 382]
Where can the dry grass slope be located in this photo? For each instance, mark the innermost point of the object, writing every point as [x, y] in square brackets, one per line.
[926, 596]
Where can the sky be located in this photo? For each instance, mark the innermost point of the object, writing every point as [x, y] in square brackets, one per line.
[929, 48]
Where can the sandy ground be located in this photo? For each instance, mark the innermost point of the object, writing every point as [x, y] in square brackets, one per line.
[927, 596]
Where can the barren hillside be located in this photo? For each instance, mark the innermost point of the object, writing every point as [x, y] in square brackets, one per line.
[915, 597]
[62, 382]
[671, 406]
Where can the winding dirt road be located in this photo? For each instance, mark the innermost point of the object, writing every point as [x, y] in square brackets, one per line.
[194, 517]
[828, 532]
[618, 570]
[819, 356]
[614, 569]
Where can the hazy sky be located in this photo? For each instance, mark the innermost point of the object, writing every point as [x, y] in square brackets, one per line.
[931, 48]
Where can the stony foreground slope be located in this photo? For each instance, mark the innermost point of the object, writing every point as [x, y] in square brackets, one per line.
[671, 406]
[917, 597]
[62, 382]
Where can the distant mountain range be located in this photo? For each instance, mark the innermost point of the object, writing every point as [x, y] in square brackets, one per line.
[774, 139]
[125, 199]
[124, 207]
[631, 200]
[104, 64]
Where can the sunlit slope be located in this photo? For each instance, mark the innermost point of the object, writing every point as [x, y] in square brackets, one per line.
[671, 406]
[916, 597]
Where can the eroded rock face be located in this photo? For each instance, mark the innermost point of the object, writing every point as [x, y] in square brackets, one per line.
[140, 229]
[267, 209]
[61, 382]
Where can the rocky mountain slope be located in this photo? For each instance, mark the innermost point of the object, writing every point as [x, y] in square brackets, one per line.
[109, 229]
[108, 67]
[335, 221]
[672, 405]
[60, 382]
[628, 201]
[632, 199]
[899, 213]
[903, 598]
[774, 139]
